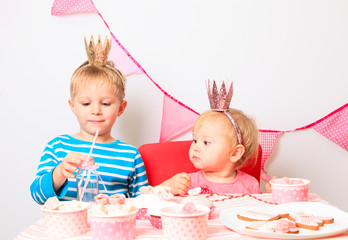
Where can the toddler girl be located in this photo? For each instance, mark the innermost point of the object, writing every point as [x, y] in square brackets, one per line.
[224, 139]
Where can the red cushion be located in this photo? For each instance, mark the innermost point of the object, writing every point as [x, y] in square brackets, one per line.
[164, 160]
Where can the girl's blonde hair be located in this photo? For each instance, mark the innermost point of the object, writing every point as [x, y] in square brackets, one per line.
[247, 128]
[88, 74]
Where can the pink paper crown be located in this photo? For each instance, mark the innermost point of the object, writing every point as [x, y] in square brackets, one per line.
[220, 99]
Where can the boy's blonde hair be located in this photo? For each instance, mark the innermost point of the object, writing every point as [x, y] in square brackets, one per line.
[88, 74]
[247, 128]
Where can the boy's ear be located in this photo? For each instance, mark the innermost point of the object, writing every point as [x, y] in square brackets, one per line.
[237, 153]
[72, 107]
[122, 107]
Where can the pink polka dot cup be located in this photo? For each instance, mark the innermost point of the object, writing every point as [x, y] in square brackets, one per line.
[113, 227]
[154, 212]
[178, 225]
[65, 223]
[287, 190]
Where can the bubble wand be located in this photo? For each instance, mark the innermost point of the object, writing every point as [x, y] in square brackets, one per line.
[93, 143]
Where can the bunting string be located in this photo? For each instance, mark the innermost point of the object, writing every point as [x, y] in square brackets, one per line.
[178, 118]
[333, 126]
[184, 115]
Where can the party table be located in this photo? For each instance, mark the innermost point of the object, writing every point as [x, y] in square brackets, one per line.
[216, 229]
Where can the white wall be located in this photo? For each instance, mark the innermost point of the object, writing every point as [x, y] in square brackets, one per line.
[288, 60]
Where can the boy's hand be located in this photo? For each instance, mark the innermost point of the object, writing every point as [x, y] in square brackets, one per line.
[66, 168]
[178, 184]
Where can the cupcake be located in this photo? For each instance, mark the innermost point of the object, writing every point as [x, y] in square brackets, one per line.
[178, 221]
[64, 219]
[286, 190]
[114, 220]
[200, 200]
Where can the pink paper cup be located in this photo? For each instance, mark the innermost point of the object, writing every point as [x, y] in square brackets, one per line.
[120, 227]
[154, 212]
[287, 193]
[185, 226]
[65, 223]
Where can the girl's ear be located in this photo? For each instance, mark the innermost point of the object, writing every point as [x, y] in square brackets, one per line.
[72, 107]
[237, 153]
[122, 107]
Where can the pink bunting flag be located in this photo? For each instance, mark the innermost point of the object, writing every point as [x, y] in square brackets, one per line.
[122, 60]
[335, 126]
[176, 118]
[65, 7]
[267, 140]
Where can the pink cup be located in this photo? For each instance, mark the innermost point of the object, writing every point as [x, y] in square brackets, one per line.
[113, 227]
[184, 226]
[65, 223]
[154, 212]
[287, 193]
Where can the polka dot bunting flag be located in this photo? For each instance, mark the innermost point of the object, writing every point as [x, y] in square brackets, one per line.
[65, 7]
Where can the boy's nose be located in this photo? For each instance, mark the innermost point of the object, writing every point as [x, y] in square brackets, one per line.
[96, 109]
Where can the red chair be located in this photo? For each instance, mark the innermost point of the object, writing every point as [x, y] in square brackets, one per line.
[164, 160]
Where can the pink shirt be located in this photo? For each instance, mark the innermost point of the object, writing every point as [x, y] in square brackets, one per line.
[243, 183]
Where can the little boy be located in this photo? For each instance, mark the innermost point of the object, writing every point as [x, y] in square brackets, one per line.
[97, 92]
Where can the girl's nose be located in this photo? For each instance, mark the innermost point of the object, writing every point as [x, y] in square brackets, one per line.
[195, 147]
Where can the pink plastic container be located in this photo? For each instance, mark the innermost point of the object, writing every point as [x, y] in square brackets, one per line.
[289, 192]
[113, 227]
[65, 223]
[184, 226]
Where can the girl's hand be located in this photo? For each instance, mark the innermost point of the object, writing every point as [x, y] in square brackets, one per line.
[66, 168]
[268, 185]
[178, 184]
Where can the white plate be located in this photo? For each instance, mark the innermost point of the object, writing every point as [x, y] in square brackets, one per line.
[229, 218]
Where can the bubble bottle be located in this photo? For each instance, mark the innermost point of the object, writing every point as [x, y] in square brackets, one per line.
[87, 184]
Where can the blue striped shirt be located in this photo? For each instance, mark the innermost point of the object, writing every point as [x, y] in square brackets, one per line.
[121, 168]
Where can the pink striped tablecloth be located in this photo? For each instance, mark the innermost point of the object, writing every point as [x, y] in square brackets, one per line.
[216, 230]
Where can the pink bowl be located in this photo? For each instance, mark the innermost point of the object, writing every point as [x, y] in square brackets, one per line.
[65, 223]
[286, 193]
[185, 226]
[113, 227]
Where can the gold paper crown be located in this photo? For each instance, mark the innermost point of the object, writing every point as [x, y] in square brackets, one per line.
[219, 98]
[98, 53]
